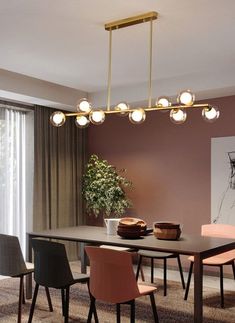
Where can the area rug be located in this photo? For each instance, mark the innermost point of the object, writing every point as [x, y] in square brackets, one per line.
[171, 308]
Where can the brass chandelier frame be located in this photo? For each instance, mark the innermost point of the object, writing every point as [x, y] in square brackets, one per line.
[173, 108]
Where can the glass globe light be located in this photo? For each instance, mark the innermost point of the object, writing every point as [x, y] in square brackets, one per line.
[97, 117]
[210, 114]
[57, 119]
[163, 102]
[178, 116]
[137, 116]
[186, 98]
[82, 121]
[84, 106]
[122, 107]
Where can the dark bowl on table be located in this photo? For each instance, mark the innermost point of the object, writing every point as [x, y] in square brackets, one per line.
[167, 230]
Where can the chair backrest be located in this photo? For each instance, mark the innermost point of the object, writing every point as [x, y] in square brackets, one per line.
[218, 230]
[51, 266]
[11, 258]
[112, 278]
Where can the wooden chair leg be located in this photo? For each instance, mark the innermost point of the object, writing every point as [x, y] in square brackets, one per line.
[188, 281]
[118, 312]
[132, 320]
[35, 294]
[66, 314]
[138, 268]
[154, 308]
[233, 266]
[20, 298]
[49, 299]
[221, 286]
[152, 270]
[181, 271]
[165, 276]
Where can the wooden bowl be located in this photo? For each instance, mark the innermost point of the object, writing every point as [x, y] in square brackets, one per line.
[167, 230]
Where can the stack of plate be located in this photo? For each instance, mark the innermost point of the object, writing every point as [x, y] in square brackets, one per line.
[131, 228]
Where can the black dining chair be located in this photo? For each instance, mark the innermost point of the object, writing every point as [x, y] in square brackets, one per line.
[12, 264]
[159, 255]
[52, 270]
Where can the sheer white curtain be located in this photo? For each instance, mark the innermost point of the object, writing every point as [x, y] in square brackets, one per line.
[16, 171]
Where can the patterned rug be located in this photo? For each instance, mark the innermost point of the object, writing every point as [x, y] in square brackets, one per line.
[171, 308]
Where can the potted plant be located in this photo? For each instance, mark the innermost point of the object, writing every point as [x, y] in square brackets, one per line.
[104, 188]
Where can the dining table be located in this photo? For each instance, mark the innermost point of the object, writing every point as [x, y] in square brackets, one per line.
[198, 246]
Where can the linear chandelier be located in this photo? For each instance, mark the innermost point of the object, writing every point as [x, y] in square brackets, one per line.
[86, 114]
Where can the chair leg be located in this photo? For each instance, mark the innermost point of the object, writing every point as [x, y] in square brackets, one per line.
[138, 268]
[188, 281]
[233, 266]
[132, 311]
[20, 298]
[118, 312]
[23, 296]
[181, 271]
[92, 310]
[221, 287]
[142, 273]
[49, 299]
[66, 314]
[63, 301]
[152, 270]
[35, 294]
[164, 276]
[154, 308]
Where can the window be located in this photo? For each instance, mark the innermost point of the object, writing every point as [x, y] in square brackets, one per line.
[16, 171]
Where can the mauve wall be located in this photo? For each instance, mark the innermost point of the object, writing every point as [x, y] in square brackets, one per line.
[168, 164]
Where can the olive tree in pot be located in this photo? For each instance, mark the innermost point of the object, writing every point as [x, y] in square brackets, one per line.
[104, 189]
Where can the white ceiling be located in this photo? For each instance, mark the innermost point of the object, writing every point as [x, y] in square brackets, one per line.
[64, 42]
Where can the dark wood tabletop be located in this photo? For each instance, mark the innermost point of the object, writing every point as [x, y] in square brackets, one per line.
[187, 244]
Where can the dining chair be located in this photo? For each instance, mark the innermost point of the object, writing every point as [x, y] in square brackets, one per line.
[112, 280]
[163, 256]
[227, 258]
[52, 270]
[129, 249]
[12, 264]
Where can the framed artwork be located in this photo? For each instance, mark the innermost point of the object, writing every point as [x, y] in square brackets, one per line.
[223, 180]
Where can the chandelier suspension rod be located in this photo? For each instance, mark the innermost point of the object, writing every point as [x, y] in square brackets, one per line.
[109, 71]
[150, 63]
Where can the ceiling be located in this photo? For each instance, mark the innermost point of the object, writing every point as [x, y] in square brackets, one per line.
[64, 42]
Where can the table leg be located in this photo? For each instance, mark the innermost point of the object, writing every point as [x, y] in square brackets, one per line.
[29, 259]
[83, 258]
[198, 303]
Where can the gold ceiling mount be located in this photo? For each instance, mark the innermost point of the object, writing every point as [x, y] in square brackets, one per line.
[122, 23]
[87, 114]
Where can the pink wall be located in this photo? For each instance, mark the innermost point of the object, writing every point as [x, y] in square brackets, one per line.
[168, 164]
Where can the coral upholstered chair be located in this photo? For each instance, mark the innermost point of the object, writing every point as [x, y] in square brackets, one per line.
[112, 280]
[226, 258]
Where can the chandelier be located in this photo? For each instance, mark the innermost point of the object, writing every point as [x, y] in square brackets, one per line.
[86, 114]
